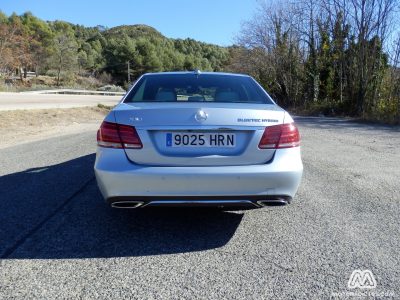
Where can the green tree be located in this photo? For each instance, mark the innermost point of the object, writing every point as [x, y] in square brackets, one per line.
[40, 40]
[65, 54]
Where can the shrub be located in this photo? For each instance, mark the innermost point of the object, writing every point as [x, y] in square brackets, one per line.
[111, 88]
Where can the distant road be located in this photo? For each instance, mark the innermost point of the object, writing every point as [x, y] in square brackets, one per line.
[14, 101]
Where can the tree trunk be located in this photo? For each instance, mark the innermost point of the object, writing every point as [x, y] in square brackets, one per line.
[58, 76]
[59, 70]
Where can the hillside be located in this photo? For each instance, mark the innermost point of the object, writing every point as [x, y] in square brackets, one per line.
[65, 50]
[147, 50]
[333, 70]
[134, 31]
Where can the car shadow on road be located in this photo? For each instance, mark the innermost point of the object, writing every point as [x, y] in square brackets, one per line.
[57, 212]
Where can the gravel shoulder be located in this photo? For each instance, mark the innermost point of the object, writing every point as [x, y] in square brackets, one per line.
[21, 101]
[24, 126]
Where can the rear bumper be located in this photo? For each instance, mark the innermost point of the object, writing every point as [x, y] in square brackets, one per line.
[120, 180]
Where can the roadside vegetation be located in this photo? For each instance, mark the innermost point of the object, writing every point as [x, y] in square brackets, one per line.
[330, 57]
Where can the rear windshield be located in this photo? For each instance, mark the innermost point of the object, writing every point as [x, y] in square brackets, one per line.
[197, 88]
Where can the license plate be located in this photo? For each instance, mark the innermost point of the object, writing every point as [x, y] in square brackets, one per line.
[205, 139]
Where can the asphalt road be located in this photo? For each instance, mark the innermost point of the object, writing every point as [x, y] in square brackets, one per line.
[59, 239]
[13, 101]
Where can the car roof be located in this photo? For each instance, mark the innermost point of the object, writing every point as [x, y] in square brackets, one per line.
[197, 72]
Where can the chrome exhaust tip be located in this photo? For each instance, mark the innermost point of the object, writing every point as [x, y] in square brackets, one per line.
[273, 202]
[126, 204]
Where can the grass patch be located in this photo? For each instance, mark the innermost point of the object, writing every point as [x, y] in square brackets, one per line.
[105, 107]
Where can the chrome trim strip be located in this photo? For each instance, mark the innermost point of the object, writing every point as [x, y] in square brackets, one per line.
[199, 127]
[200, 203]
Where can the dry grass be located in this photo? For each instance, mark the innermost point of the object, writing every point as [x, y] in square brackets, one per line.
[27, 125]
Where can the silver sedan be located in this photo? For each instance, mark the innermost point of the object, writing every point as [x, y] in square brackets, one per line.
[198, 139]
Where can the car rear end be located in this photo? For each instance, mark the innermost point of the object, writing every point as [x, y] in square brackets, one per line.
[187, 139]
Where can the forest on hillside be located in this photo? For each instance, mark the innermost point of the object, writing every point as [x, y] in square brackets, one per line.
[65, 50]
[336, 57]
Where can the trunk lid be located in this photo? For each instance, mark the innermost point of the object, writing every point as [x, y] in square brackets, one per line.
[240, 124]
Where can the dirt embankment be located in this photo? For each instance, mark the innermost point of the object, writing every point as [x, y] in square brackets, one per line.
[21, 126]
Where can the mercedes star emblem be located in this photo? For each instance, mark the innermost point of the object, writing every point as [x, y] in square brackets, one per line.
[201, 116]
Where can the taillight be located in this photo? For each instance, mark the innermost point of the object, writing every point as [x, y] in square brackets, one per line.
[280, 136]
[112, 135]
